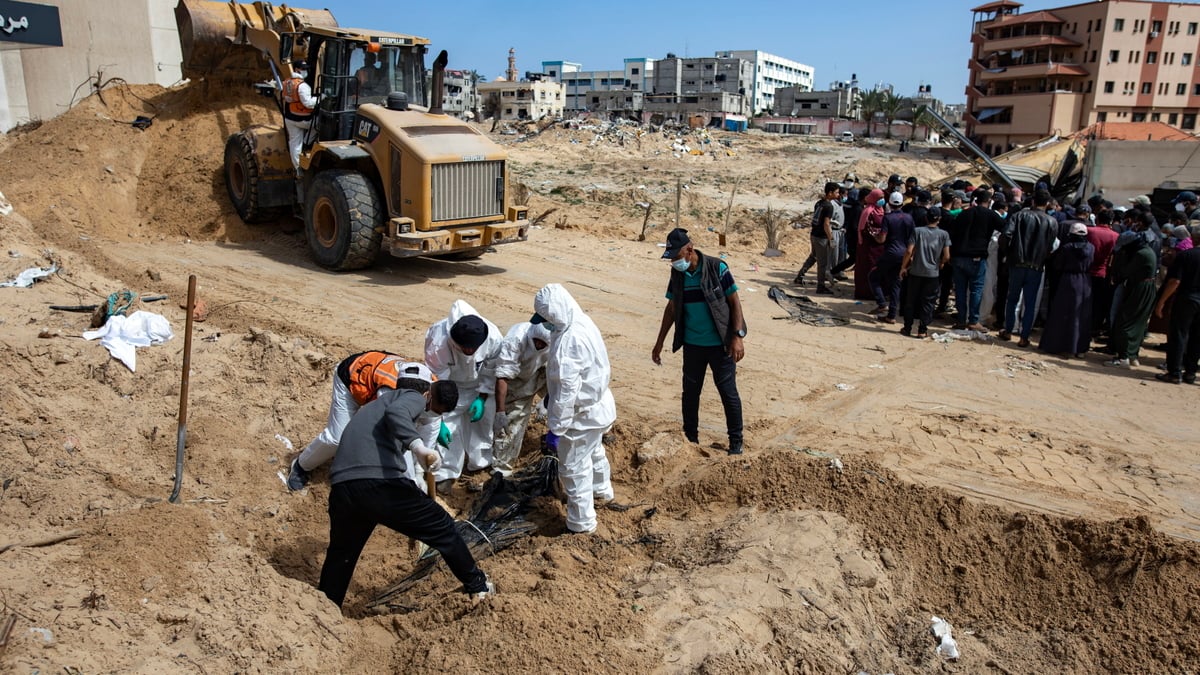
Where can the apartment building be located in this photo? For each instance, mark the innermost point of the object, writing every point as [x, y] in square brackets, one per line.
[459, 95]
[581, 87]
[699, 84]
[1059, 70]
[770, 72]
[529, 99]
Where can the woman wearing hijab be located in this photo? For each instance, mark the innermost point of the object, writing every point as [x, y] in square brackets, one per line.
[869, 248]
[1069, 318]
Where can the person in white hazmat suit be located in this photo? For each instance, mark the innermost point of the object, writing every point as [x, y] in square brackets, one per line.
[520, 375]
[580, 406]
[463, 348]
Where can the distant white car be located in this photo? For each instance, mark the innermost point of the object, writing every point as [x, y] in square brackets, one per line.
[846, 137]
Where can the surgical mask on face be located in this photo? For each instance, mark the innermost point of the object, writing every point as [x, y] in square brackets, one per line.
[1003, 215]
[680, 265]
[1049, 212]
[1180, 207]
[880, 203]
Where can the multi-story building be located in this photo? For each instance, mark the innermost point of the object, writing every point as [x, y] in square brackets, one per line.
[459, 95]
[580, 86]
[797, 102]
[690, 85]
[1059, 70]
[770, 72]
[528, 99]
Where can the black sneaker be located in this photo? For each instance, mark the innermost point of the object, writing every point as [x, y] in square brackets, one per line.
[297, 476]
[735, 447]
[1189, 378]
[824, 290]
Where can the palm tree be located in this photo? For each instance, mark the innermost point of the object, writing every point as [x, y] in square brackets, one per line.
[890, 105]
[924, 117]
[868, 105]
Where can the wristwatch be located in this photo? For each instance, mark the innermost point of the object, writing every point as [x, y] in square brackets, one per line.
[741, 332]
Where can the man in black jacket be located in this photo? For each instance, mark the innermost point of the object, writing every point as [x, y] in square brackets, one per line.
[970, 234]
[704, 308]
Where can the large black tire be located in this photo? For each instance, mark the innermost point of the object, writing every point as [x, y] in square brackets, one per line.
[242, 181]
[343, 220]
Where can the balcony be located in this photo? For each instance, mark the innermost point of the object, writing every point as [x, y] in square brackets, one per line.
[1032, 71]
[1027, 42]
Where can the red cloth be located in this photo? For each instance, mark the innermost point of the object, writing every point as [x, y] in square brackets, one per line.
[1103, 240]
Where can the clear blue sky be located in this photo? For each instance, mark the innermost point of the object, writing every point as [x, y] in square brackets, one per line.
[904, 43]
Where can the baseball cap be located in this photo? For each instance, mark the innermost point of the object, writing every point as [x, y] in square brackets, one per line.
[300, 64]
[469, 332]
[677, 239]
[1144, 200]
[896, 199]
[1185, 196]
[935, 213]
[1079, 229]
[894, 178]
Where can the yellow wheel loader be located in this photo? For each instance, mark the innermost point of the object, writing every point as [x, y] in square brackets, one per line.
[378, 170]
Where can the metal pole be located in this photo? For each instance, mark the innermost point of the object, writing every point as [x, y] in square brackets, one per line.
[678, 196]
[181, 435]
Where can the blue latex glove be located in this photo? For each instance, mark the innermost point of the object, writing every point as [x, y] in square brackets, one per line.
[476, 409]
[552, 440]
[444, 436]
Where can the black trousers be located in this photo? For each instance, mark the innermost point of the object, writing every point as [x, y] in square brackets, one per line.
[357, 506]
[696, 361]
[946, 281]
[920, 297]
[1183, 337]
[1102, 298]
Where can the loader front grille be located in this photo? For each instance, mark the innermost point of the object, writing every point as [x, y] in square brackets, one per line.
[467, 190]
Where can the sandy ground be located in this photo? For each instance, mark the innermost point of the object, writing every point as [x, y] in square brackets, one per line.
[1047, 508]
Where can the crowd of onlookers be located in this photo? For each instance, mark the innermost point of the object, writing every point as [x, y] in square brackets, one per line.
[1090, 275]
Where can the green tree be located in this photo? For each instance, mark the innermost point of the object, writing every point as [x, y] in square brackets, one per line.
[923, 116]
[868, 105]
[890, 105]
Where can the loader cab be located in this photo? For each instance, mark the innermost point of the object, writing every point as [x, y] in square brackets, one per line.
[354, 71]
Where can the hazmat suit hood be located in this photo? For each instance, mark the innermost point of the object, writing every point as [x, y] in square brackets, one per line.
[554, 304]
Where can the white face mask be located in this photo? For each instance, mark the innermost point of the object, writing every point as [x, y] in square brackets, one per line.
[1180, 207]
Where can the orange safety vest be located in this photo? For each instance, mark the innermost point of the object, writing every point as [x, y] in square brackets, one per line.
[373, 370]
[291, 96]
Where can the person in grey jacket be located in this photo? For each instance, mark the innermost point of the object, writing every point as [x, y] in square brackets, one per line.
[369, 487]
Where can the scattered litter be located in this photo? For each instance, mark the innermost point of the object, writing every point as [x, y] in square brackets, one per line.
[14, 254]
[282, 478]
[877, 366]
[836, 464]
[841, 386]
[44, 633]
[286, 443]
[1002, 371]
[947, 646]
[6, 206]
[752, 268]
[955, 335]
[121, 335]
[28, 277]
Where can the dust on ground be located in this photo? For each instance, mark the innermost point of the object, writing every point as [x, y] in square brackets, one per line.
[1045, 508]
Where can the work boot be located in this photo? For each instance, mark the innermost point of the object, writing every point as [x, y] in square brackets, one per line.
[735, 447]
[297, 476]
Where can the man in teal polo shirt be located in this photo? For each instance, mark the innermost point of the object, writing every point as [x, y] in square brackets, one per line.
[703, 305]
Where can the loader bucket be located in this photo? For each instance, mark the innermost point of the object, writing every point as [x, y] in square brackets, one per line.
[226, 40]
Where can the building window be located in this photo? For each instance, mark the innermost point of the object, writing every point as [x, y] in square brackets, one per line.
[1156, 26]
[1191, 31]
[1119, 25]
[1114, 55]
[1162, 88]
[1093, 56]
[1180, 89]
[1196, 90]
[1089, 87]
[1173, 119]
[1108, 87]
[1151, 57]
[1155, 117]
[1185, 59]
[1138, 117]
[1101, 117]
[1189, 119]
[1146, 87]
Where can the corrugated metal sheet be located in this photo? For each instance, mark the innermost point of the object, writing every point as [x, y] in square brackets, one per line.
[467, 190]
